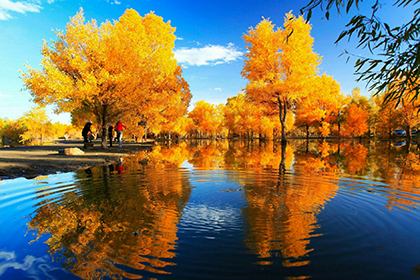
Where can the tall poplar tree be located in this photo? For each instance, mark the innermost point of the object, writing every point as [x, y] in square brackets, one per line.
[109, 70]
[278, 64]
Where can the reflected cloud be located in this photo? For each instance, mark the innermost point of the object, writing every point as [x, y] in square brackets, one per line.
[35, 268]
[133, 221]
[107, 222]
[213, 218]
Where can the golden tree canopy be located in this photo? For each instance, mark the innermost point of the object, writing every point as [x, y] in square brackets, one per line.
[112, 69]
[278, 64]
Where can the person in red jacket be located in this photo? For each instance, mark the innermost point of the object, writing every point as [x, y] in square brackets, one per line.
[119, 129]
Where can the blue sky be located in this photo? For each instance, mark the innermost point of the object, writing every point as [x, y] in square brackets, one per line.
[209, 46]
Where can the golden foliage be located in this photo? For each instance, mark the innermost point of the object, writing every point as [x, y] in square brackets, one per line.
[133, 221]
[114, 69]
[38, 126]
[321, 106]
[120, 224]
[356, 120]
[278, 64]
[206, 117]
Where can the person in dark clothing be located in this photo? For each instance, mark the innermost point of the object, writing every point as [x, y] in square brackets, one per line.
[110, 134]
[87, 132]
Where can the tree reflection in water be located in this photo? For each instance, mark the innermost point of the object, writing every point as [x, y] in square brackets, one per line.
[282, 212]
[118, 224]
[110, 222]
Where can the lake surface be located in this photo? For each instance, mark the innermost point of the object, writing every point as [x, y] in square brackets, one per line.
[221, 210]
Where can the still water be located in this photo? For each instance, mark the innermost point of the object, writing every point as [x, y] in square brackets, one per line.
[221, 210]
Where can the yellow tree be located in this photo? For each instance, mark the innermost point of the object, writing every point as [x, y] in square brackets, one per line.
[367, 105]
[321, 105]
[401, 113]
[110, 69]
[408, 113]
[278, 64]
[242, 116]
[303, 117]
[63, 130]
[343, 101]
[38, 126]
[166, 112]
[232, 114]
[184, 126]
[12, 131]
[205, 117]
[356, 120]
[249, 117]
[2, 125]
[387, 116]
[221, 129]
[179, 102]
[80, 116]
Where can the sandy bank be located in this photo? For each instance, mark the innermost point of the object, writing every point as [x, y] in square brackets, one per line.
[32, 161]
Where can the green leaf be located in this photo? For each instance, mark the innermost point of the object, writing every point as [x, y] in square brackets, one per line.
[309, 15]
[342, 35]
[349, 4]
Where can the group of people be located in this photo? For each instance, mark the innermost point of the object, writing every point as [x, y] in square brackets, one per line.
[119, 129]
[88, 135]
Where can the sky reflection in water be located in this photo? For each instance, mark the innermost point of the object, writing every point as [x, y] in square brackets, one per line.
[221, 210]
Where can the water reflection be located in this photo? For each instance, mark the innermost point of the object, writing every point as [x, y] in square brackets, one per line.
[116, 226]
[281, 211]
[122, 220]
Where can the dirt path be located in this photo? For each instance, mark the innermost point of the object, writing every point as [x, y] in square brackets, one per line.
[32, 161]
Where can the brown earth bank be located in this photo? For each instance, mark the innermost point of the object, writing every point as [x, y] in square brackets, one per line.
[32, 161]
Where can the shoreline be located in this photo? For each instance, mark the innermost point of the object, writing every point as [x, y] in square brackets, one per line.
[32, 161]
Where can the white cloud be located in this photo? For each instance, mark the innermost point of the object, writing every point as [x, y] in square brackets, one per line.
[116, 2]
[218, 89]
[208, 55]
[179, 38]
[5, 95]
[7, 6]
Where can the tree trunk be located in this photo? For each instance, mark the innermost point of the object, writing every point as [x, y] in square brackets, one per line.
[282, 167]
[339, 128]
[282, 171]
[145, 133]
[104, 123]
[407, 146]
[408, 133]
[282, 116]
[338, 147]
[307, 132]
